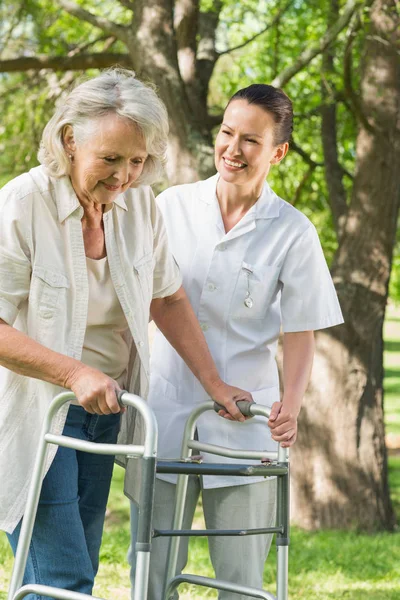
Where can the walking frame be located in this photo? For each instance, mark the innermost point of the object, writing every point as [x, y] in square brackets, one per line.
[278, 467]
[147, 452]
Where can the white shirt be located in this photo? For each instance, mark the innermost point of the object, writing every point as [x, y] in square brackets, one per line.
[273, 258]
[44, 293]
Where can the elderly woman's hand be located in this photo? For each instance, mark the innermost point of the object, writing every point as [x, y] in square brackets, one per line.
[95, 392]
[228, 396]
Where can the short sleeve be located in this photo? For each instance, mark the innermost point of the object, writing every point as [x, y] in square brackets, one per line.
[166, 275]
[309, 300]
[15, 264]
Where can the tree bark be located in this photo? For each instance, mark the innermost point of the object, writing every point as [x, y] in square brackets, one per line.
[190, 145]
[340, 462]
[333, 170]
[79, 62]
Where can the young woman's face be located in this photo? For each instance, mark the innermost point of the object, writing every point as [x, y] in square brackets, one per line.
[109, 161]
[244, 148]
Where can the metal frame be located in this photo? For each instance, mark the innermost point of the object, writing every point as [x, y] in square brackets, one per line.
[278, 468]
[147, 452]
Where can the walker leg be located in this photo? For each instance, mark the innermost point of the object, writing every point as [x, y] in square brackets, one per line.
[173, 549]
[28, 520]
[144, 534]
[283, 519]
[282, 583]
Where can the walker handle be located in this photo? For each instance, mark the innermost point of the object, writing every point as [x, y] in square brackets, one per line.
[243, 405]
[120, 393]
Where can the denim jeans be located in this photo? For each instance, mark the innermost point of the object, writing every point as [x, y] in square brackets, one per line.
[64, 551]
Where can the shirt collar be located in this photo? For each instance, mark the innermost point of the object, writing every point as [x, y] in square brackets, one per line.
[67, 201]
[266, 207]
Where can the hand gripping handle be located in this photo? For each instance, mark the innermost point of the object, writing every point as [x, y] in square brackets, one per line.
[243, 405]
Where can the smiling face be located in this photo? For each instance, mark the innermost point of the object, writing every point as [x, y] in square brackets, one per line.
[244, 147]
[108, 161]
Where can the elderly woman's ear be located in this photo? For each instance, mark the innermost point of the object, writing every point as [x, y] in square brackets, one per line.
[68, 139]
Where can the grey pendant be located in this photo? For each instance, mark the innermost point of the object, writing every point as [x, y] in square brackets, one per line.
[248, 302]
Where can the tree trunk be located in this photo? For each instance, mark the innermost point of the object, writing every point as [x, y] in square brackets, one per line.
[190, 154]
[340, 460]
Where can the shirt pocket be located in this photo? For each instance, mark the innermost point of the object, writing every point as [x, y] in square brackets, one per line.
[49, 290]
[143, 269]
[255, 287]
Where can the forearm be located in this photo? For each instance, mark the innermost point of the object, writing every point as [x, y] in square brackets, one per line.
[175, 318]
[298, 353]
[24, 356]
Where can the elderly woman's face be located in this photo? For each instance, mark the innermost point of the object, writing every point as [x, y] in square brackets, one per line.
[244, 148]
[107, 162]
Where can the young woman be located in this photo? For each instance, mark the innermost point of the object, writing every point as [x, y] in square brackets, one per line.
[251, 265]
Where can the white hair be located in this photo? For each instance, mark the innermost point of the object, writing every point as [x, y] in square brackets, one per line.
[114, 91]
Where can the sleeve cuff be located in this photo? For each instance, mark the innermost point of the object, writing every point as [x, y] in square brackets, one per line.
[330, 321]
[170, 289]
[8, 312]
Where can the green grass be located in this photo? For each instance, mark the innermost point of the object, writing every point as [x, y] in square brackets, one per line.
[324, 565]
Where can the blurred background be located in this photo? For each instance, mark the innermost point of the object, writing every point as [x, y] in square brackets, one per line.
[340, 64]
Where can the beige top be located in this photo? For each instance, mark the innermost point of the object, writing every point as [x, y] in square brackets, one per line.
[105, 346]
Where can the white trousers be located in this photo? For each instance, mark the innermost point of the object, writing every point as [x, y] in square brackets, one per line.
[235, 559]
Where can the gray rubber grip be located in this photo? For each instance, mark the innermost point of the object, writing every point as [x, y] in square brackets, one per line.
[119, 397]
[243, 406]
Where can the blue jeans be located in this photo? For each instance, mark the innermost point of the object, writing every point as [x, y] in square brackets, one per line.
[64, 551]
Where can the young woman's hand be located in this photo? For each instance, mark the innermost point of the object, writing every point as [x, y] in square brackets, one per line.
[283, 425]
[228, 396]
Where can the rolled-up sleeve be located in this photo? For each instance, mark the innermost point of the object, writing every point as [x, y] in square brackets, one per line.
[309, 300]
[15, 265]
[166, 275]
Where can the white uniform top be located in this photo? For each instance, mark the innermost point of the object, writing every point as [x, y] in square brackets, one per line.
[272, 257]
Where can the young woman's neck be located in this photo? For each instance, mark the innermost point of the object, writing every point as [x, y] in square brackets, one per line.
[233, 197]
[235, 201]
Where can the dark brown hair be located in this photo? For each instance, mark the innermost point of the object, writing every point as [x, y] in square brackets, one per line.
[274, 101]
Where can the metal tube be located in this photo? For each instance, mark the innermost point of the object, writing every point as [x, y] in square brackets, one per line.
[213, 532]
[221, 469]
[173, 548]
[231, 452]
[217, 585]
[282, 565]
[47, 590]
[283, 519]
[141, 575]
[33, 497]
[181, 491]
[150, 422]
[93, 447]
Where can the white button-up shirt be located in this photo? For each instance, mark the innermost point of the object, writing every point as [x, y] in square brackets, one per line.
[267, 273]
[44, 293]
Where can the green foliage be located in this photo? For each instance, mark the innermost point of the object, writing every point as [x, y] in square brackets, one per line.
[394, 287]
[41, 27]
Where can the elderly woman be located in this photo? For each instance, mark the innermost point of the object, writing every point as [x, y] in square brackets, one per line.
[251, 265]
[83, 261]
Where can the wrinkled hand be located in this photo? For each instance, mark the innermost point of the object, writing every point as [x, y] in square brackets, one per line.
[227, 396]
[283, 425]
[96, 392]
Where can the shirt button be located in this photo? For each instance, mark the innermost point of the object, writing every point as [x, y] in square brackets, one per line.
[204, 326]
[212, 287]
[140, 344]
[222, 246]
